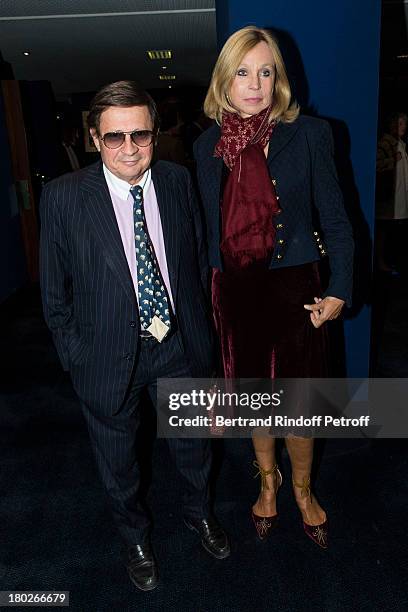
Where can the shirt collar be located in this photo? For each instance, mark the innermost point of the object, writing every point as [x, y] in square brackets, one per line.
[121, 188]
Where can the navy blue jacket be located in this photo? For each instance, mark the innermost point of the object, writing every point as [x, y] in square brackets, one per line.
[89, 300]
[300, 161]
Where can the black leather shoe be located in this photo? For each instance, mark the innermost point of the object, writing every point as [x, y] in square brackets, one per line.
[141, 567]
[213, 537]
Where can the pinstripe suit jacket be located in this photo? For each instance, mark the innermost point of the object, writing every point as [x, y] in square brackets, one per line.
[88, 296]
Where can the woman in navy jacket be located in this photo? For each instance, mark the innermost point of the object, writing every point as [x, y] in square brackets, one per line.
[264, 173]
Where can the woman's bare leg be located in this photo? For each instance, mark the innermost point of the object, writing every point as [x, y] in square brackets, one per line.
[264, 447]
[300, 452]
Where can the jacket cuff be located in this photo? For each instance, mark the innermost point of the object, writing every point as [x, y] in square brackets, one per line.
[341, 295]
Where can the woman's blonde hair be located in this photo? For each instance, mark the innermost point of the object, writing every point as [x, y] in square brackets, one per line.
[237, 45]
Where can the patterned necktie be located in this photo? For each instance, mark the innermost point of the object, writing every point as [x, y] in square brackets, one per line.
[152, 293]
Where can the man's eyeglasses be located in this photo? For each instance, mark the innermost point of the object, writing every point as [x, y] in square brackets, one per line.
[141, 138]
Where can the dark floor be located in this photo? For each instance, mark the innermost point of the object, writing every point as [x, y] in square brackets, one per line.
[56, 532]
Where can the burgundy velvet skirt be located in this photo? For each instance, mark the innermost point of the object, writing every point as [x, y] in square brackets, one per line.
[264, 330]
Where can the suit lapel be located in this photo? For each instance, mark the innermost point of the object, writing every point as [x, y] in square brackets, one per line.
[281, 136]
[169, 208]
[98, 206]
[215, 172]
[212, 169]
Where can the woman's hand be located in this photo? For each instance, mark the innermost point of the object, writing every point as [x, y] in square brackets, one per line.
[324, 310]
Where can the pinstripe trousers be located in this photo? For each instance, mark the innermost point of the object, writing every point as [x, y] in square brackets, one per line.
[113, 440]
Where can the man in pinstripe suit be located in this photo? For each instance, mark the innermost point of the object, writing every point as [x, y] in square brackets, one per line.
[93, 307]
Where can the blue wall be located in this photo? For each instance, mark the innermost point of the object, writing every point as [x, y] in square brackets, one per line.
[332, 53]
[12, 259]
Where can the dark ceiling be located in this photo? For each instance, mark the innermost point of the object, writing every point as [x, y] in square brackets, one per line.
[79, 46]
[394, 56]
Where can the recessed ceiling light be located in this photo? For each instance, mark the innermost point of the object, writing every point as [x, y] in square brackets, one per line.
[26, 53]
[164, 67]
[169, 86]
[167, 77]
[159, 54]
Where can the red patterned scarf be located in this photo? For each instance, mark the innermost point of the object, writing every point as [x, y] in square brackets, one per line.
[249, 200]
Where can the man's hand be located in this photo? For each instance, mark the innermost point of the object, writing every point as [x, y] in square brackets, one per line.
[324, 310]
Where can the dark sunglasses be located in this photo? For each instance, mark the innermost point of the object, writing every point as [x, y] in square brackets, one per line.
[141, 138]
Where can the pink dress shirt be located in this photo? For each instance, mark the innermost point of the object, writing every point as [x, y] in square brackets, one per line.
[122, 201]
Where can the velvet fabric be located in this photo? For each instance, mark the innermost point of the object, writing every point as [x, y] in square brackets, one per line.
[263, 328]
